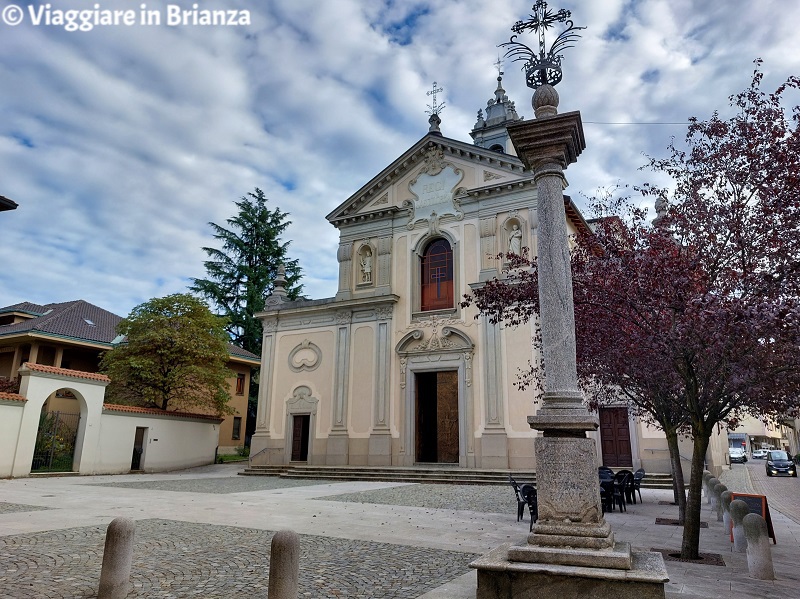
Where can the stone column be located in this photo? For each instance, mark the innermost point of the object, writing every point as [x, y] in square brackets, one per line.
[344, 255]
[338, 450]
[262, 438]
[571, 550]
[566, 463]
[380, 439]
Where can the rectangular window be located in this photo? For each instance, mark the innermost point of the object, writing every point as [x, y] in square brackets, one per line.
[239, 384]
[237, 427]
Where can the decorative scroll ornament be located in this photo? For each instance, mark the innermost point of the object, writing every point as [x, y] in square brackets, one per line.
[543, 68]
[306, 356]
[450, 339]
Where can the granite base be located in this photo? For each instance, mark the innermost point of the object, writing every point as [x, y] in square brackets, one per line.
[499, 578]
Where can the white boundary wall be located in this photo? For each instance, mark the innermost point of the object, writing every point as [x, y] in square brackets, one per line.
[170, 442]
[105, 436]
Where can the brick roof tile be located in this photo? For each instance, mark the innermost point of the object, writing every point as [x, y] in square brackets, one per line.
[78, 374]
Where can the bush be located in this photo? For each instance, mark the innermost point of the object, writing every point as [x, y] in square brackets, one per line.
[243, 451]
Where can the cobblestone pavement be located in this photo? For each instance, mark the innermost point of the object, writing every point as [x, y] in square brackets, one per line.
[182, 559]
[10, 508]
[493, 499]
[197, 537]
[240, 484]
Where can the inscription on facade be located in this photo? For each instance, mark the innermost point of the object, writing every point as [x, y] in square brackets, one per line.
[433, 195]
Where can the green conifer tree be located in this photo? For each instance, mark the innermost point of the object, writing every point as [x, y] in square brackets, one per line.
[240, 275]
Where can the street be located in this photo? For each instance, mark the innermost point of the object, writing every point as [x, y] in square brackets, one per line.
[782, 492]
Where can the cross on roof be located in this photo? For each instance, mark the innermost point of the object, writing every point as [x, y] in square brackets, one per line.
[434, 108]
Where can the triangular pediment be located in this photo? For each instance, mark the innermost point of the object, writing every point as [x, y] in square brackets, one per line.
[385, 194]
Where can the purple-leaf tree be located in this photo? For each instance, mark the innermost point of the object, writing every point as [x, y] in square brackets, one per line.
[695, 320]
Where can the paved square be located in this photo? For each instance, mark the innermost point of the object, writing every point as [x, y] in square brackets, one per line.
[183, 559]
[206, 532]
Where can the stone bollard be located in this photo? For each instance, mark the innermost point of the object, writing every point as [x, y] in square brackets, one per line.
[706, 491]
[739, 509]
[719, 488]
[115, 574]
[711, 483]
[284, 565]
[725, 499]
[759, 556]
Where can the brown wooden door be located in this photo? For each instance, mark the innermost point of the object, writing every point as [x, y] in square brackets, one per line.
[300, 436]
[615, 437]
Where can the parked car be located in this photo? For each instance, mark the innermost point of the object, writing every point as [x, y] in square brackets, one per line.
[778, 462]
[737, 454]
[759, 454]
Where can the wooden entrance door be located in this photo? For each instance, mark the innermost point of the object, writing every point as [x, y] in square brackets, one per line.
[300, 435]
[437, 417]
[615, 438]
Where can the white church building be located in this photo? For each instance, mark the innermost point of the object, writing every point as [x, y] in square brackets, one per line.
[392, 371]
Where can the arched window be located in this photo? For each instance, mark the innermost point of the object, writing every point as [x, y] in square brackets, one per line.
[437, 276]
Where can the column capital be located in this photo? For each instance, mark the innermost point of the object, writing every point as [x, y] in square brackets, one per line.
[556, 139]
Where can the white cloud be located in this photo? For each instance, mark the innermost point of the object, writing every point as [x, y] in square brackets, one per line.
[121, 144]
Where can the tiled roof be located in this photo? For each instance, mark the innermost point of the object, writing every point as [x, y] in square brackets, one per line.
[240, 352]
[138, 410]
[12, 396]
[78, 374]
[77, 319]
[26, 307]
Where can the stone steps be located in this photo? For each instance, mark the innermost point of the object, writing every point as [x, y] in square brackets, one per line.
[442, 475]
[422, 474]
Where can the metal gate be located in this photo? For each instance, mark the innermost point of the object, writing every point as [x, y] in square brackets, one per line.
[55, 442]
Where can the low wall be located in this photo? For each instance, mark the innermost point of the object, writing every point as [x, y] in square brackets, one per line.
[171, 442]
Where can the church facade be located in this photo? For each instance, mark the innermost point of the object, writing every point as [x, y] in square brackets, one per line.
[392, 371]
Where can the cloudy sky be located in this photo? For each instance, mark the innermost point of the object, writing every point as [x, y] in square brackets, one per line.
[121, 143]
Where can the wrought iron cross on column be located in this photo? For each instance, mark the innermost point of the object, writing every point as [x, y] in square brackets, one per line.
[544, 67]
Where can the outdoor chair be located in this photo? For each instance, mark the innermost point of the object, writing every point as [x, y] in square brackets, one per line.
[521, 501]
[626, 484]
[637, 484]
[609, 494]
[605, 471]
[621, 482]
[531, 499]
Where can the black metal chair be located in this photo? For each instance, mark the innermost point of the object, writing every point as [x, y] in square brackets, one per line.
[605, 471]
[637, 484]
[521, 501]
[532, 501]
[622, 481]
[607, 494]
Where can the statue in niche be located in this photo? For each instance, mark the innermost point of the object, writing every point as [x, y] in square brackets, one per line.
[515, 241]
[366, 267]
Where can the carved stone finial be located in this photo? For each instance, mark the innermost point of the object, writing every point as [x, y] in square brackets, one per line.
[545, 101]
[279, 294]
[434, 122]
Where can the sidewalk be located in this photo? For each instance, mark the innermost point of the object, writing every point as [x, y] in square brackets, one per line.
[205, 532]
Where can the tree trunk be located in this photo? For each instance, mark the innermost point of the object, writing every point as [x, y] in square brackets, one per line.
[690, 545]
[678, 485]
